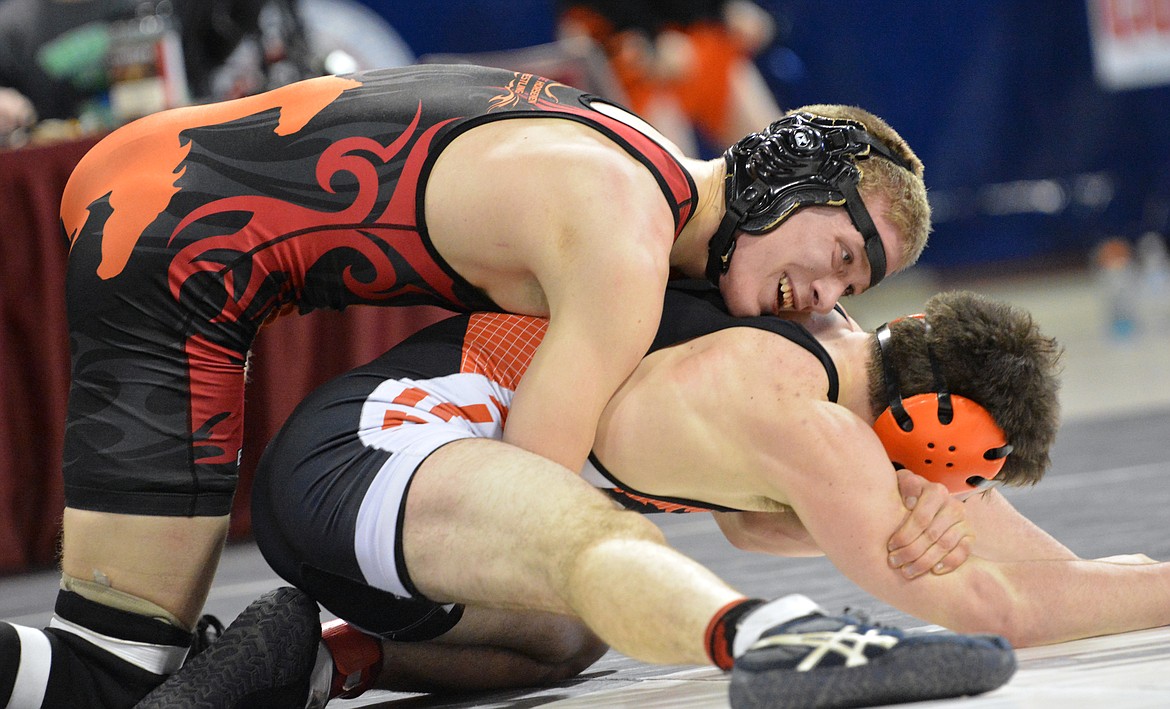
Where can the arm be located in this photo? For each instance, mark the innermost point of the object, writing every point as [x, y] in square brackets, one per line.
[550, 218]
[779, 533]
[583, 359]
[1030, 591]
[934, 535]
[603, 277]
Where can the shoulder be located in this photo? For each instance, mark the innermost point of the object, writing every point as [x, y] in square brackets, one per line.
[537, 142]
[751, 362]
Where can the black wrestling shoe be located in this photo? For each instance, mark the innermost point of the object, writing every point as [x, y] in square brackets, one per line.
[825, 661]
[264, 659]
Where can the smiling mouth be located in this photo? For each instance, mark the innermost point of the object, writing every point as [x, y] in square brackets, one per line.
[785, 300]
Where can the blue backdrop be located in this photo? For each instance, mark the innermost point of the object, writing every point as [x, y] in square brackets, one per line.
[1027, 157]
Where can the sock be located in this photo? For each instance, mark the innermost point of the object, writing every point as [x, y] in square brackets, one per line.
[357, 658]
[764, 617]
[721, 631]
[89, 656]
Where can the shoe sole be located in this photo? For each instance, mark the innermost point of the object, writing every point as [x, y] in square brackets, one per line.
[917, 669]
[264, 659]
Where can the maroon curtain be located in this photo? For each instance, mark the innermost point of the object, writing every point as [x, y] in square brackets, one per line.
[291, 356]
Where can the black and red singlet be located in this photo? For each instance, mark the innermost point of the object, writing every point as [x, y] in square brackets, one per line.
[190, 228]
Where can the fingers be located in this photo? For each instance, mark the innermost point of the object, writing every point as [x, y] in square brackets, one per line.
[935, 536]
[941, 555]
[955, 558]
[940, 558]
[926, 502]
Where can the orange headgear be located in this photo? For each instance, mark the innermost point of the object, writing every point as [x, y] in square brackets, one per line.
[945, 438]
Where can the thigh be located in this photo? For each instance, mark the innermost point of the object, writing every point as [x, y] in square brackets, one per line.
[155, 416]
[327, 503]
[490, 524]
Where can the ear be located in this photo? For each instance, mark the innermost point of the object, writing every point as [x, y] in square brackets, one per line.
[971, 445]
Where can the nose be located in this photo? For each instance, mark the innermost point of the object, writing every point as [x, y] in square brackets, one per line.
[824, 295]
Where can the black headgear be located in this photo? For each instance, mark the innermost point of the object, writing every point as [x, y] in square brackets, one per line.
[800, 160]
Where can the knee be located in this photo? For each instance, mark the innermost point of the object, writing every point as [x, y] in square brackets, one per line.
[619, 526]
[567, 647]
[610, 538]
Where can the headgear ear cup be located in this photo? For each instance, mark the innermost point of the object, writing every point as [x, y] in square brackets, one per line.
[970, 446]
[945, 438]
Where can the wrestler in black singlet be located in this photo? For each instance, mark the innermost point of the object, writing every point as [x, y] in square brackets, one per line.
[191, 228]
[314, 476]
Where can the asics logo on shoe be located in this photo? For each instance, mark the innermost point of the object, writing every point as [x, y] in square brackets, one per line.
[846, 642]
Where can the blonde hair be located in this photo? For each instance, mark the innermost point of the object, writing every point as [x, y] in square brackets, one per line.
[904, 192]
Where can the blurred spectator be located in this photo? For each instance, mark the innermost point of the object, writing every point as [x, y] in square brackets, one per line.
[60, 55]
[685, 65]
[237, 48]
[348, 36]
[16, 111]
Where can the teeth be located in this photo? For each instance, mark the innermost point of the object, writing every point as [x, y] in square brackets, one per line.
[785, 293]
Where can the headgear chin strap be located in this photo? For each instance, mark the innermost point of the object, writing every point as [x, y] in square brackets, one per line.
[943, 437]
[800, 160]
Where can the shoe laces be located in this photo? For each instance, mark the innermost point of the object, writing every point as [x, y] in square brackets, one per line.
[207, 630]
[863, 616]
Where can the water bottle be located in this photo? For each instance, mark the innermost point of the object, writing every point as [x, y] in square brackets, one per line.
[1117, 283]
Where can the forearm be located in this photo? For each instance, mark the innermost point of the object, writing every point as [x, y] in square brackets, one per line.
[563, 436]
[1043, 602]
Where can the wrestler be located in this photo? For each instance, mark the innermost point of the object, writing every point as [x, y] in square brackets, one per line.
[464, 187]
[389, 498]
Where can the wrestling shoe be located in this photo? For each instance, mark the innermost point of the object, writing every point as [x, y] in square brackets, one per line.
[840, 661]
[265, 659]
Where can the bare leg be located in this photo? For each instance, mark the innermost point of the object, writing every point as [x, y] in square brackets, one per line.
[489, 524]
[169, 561]
[492, 649]
[106, 646]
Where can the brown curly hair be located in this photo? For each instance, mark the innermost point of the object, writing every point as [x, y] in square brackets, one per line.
[992, 353]
[904, 191]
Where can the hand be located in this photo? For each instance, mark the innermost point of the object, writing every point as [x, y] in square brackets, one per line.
[935, 536]
[16, 111]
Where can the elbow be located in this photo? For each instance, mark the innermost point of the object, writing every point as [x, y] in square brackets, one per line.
[744, 539]
[765, 533]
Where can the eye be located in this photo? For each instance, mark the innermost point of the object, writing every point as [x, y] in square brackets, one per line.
[846, 256]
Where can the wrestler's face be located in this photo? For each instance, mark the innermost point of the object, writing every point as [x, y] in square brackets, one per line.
[806, 264]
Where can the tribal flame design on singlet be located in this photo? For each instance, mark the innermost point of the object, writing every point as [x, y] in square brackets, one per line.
[191, 228]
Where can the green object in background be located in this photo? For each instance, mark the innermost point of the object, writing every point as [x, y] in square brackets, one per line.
[79, 57]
